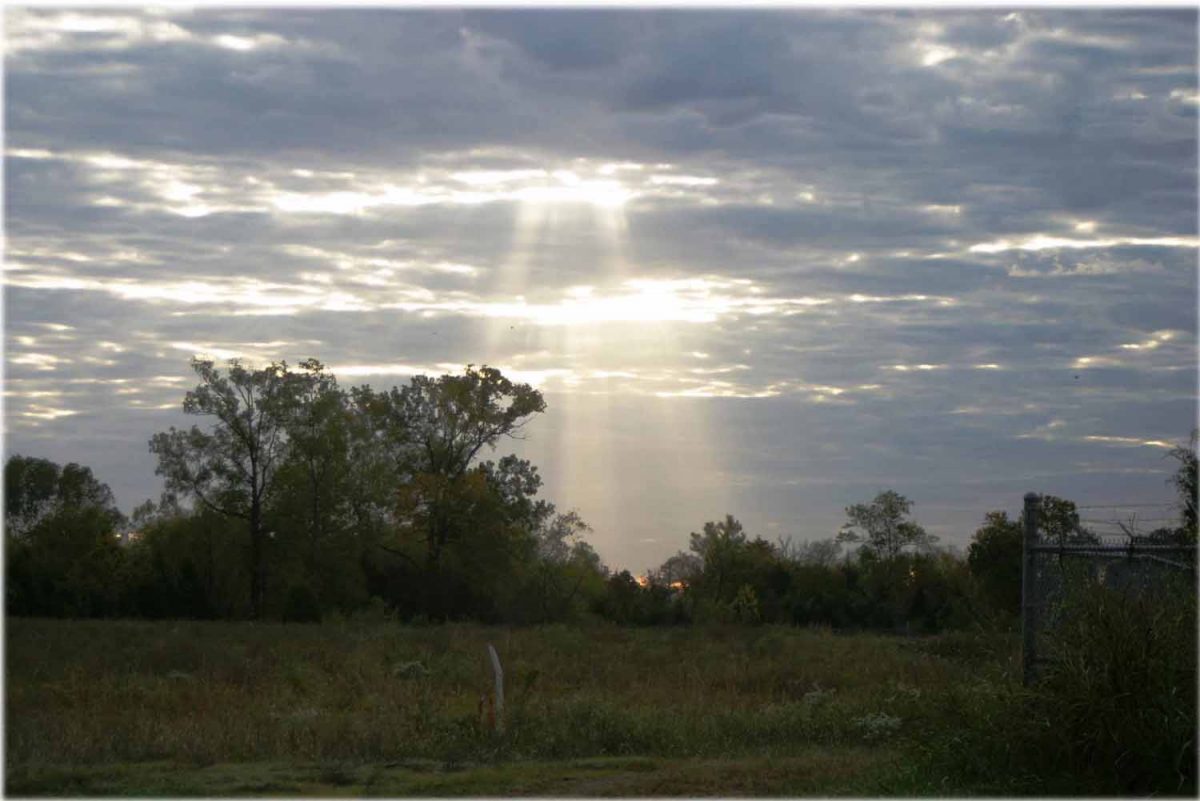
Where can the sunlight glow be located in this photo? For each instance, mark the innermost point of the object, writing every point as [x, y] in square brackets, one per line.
[38, 412]
[932, 55]
[604, 193]
[904, 368]
[1158, 338]
[1154, 443]
[38, 361]
[527, 186]
[1188, 96]
[1046, 242]
[246, 43]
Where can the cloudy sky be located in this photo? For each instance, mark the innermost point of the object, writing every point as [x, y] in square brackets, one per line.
[763, 263]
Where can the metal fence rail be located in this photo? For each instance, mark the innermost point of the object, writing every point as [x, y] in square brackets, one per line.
[1128, 561]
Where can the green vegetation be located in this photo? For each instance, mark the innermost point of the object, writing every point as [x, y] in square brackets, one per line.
[363, 707]
[195, 708]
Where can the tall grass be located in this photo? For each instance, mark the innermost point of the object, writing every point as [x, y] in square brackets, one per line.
[1115, 711]
[1121, 685]
[92, 691]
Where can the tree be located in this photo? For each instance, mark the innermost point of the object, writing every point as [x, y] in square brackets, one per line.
[327, 504]
[883, 528]
[681, 569]
[823, 553]
[717, 546]
[61, 524]
[317, 431]
[450, 419]
[446, 422]
[994, 558]
[1185, 481]
[186, 564]
[1058, 521]
[231, 469]
[566, 568]
[559, 536]
[36, 488]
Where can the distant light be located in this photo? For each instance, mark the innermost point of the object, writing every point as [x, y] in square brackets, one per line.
[936, 54]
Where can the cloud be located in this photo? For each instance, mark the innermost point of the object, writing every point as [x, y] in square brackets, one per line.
[904, 242]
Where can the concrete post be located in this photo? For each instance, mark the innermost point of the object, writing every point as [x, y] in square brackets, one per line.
[498, 674]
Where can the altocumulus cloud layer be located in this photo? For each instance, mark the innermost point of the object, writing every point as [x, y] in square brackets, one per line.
[766, 263]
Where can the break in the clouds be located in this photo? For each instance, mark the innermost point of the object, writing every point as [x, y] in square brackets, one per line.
[766, 263]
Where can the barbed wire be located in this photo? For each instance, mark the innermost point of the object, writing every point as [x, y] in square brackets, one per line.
[1164, 505]
[1131, 520]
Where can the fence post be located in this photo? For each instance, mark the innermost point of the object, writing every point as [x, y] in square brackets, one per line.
[498, 673]
[1029, 589]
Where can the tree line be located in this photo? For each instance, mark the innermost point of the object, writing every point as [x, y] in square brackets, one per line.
[298, 499]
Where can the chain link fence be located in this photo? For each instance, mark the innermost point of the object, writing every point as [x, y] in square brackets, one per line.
[1110, 552]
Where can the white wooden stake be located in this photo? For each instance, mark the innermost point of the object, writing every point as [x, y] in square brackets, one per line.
[496, 669]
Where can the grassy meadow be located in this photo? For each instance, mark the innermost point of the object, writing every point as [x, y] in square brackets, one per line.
[217, 708]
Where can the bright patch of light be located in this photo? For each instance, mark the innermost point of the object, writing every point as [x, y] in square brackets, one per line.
[1097, 361]
[1157, 339]
[682, 180]
[38, 412]
[904, 368]
[244, 44]
[38, 361]
[34, 31]
[604, 193]
[497, 177]
[563, 187]
[236, 296]
[179, 191]
[359, 370]
[1154, 443]
[1044, 242]
[110, 161]
[690, 301]
[18, 153]
[932, 55]
[718, 390]
[1185, 96]
[209, 351]
[623, 166]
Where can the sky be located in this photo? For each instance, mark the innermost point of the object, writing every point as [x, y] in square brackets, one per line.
[766, 263]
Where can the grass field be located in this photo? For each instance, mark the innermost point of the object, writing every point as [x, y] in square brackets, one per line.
[190, 708]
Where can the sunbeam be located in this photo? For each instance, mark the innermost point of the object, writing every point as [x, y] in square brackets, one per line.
[575, 301]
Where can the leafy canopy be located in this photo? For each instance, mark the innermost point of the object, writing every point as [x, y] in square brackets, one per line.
[882, 527]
